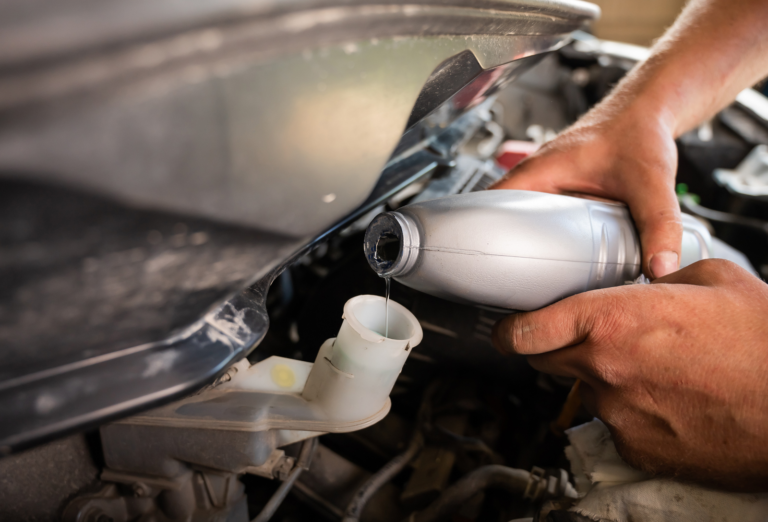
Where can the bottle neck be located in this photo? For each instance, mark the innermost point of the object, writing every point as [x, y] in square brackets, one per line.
[391, 244]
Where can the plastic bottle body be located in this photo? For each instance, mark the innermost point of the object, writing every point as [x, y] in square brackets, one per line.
[511, 249]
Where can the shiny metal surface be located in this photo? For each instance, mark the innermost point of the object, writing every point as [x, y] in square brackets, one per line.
[262, 127]
[38, 30]
[240, 140]
[104, 309]
[236, 122]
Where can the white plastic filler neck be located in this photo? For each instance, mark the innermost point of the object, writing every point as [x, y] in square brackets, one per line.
[354, 373]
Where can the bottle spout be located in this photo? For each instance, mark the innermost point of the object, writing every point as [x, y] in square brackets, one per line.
[391, 244]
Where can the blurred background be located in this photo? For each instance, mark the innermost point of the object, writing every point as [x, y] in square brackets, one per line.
[634, 22]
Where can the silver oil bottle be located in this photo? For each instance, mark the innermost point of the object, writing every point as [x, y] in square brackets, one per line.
[513, 249]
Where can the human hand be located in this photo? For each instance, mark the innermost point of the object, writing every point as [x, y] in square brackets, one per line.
[677, 370]
[620, 154]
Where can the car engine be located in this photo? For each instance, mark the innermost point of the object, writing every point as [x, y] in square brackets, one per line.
[267, 408]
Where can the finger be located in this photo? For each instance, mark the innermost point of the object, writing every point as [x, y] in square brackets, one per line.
[564, 323]
[563, 363]
[653, 204]
[657, 215]
[539, 172]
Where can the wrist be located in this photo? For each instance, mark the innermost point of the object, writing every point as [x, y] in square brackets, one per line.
[665, 98]
[640, 100]
[649, 98]
[663, 107]
[642, 113]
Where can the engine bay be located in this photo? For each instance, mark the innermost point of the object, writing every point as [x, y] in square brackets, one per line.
[471, 435]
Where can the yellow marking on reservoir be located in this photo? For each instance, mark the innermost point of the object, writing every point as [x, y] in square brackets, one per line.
[283, 375]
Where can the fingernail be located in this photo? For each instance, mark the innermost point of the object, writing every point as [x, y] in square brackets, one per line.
[664, 263]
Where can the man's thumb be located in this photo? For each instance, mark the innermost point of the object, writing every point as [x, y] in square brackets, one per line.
[657, 216]
[663, 263]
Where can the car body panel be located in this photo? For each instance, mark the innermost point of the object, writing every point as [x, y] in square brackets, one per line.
[162, 162]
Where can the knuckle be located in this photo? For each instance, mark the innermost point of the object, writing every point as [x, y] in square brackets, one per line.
[715, 271]
[521, 334]
[608, 338]
[606, 370]
[511, 334]
[609, 323]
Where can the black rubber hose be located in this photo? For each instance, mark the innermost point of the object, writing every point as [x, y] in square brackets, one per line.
[393, 467]
[381, 477]
[494, 476]
[303, 462]
[687, 203]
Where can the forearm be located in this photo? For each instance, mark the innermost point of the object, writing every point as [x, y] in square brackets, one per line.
[715, 49]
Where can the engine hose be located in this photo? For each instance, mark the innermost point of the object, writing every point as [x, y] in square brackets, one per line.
[687, 203]
[303, 462]
[500, 477]
[393, 467]
[381, 477]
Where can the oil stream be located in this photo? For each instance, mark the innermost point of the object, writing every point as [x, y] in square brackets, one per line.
[386, 309]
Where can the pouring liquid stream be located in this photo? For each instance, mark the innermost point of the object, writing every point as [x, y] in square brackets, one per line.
[386, 308]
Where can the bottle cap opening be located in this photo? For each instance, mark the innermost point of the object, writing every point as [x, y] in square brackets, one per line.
[391, 244]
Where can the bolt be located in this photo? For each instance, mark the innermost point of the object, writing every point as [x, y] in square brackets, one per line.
[283, 468]
[140, 490]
